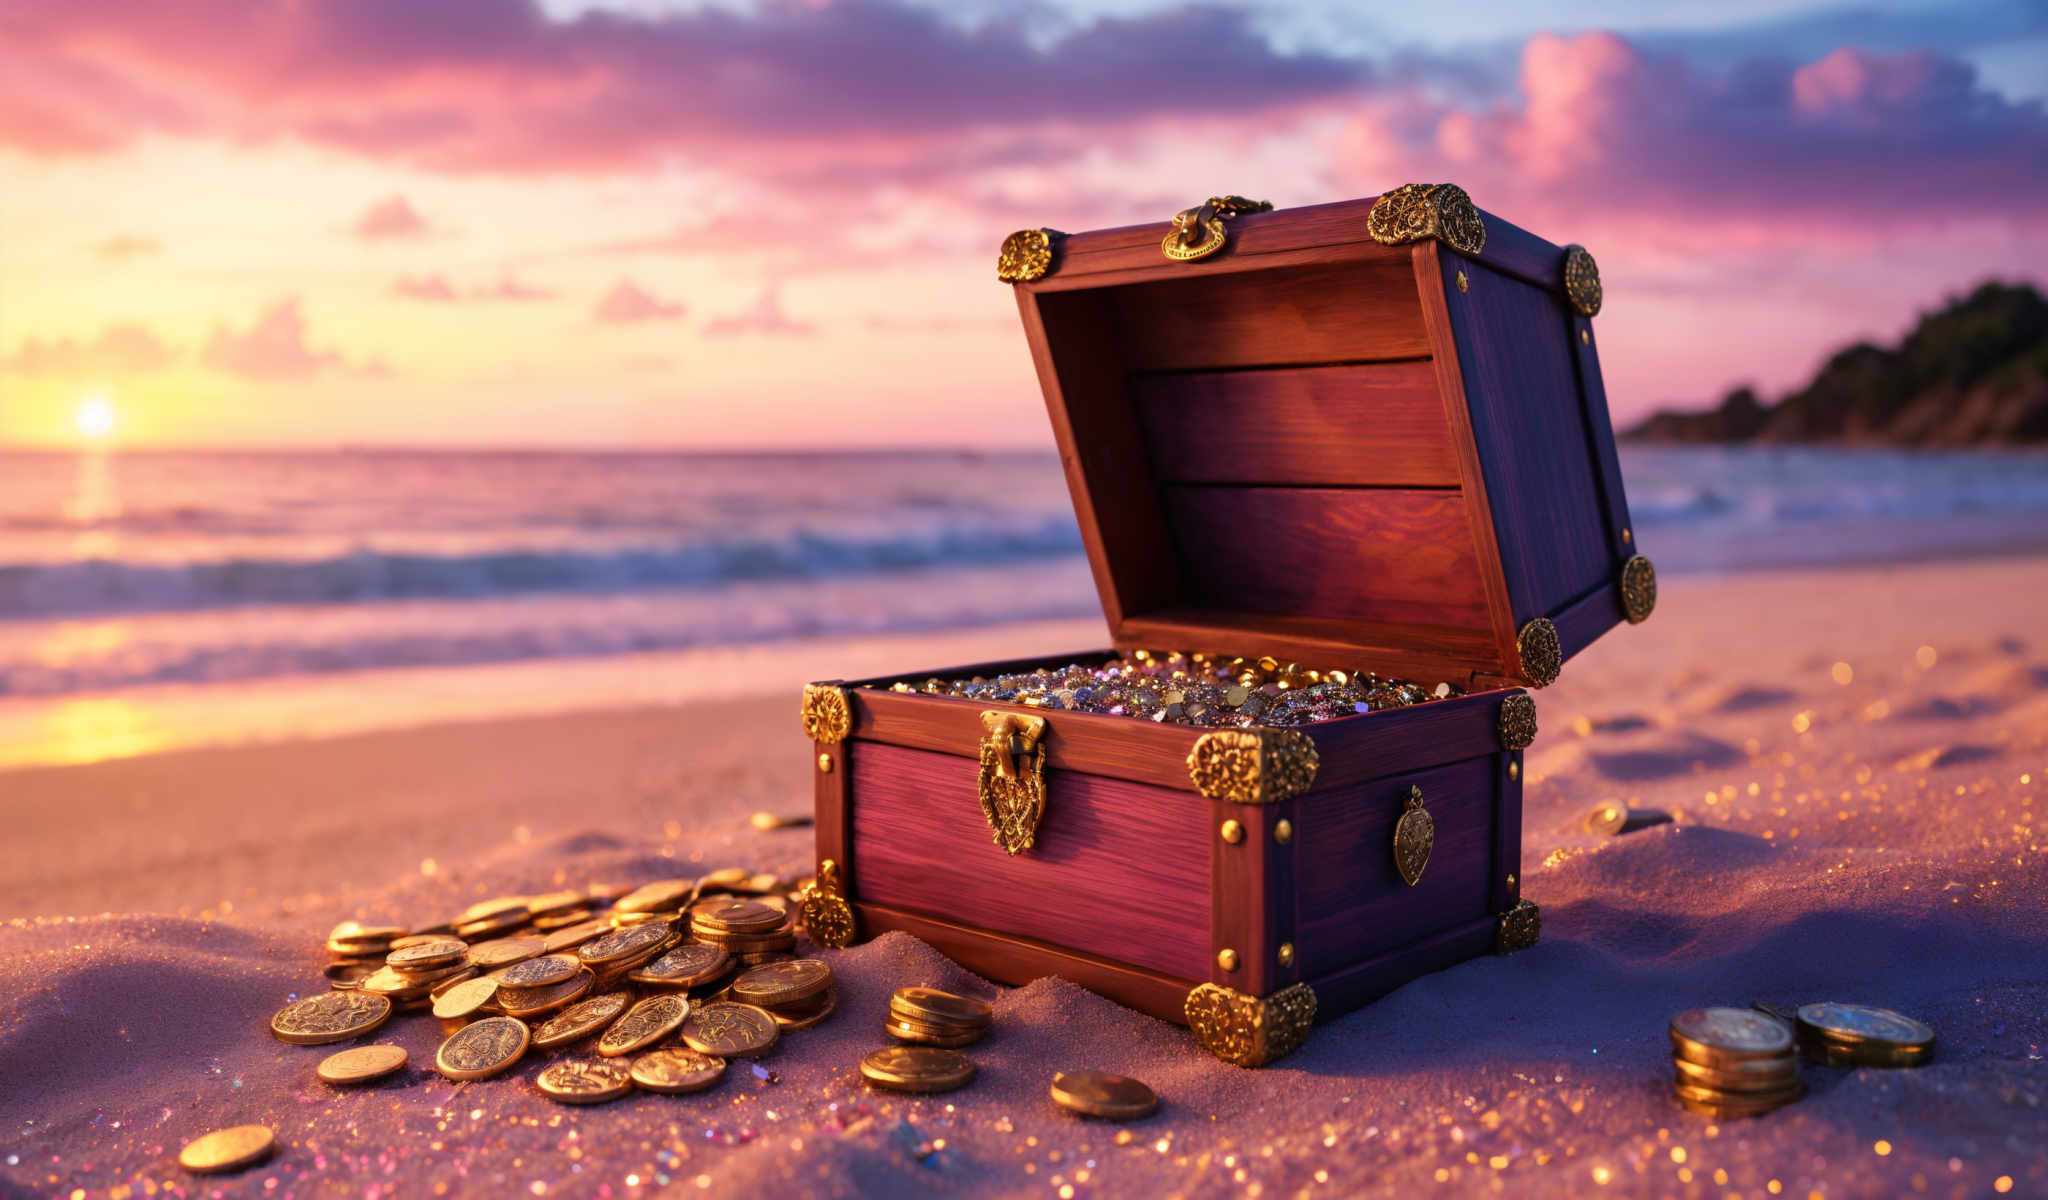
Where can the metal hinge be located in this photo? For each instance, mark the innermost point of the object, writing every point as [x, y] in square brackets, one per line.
[1198, 232]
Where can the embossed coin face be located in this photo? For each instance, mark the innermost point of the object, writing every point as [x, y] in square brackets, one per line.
[729, 1030]
[575, 935]
[687, 965]
[330, 1017]
[585, 1081]
[435, 952]
[539, 972]
[930, 1006]
[1716, 1035]
[483, 1048]
[775, 984]
[531, 1002]
[226, 1150]
[644, 1024]
[1854, 1024]
[663, 895]
[465, 998]
[674, 1069]
[503, 952]
[1110, 1097]
[362, 1064]
[737, 916]
[917, 1069]
[622, 944]
[580, 1020]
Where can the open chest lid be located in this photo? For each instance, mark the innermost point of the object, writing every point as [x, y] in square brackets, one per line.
[1368, 434]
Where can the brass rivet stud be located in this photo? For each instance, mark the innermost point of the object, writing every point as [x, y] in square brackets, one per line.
[1233, 832]
[1286, 954]
[825, 763]
[1463, 283]
[1283, 831]
[1511, 880]
[1514, 770]
[1626, 536]
[1227, 959]
[1585, 337]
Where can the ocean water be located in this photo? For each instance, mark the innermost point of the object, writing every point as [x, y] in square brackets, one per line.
[122, 572]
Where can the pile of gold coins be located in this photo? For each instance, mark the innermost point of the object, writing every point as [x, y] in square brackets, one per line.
[931, 1017]
[1736, 1062]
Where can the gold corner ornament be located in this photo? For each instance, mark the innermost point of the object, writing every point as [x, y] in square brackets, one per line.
[1250, 1031]
[1541, 654]
[1199, 232]
[1519, 928]
[828, 715]
[1638, 589]
[1517, 721]
[1253, 766]
[827, 917]
[1026, 255]
[1582, 281]
[1415, 211]
[1414, 838]
[1012, 781]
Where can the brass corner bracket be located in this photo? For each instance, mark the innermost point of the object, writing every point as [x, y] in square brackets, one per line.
[1517, 721]
[1012, 780]
[1027, 255]
[1582, 281]
[1198, 232]
[1541, 654]
[1415, 211]
[1638, 589]
[1250, 1031]
[1519, 928]
[828, 714]
[827, 917]
[1253, 766]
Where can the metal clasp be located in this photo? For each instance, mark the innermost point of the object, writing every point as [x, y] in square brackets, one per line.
[1198, 232]
[1012, 780]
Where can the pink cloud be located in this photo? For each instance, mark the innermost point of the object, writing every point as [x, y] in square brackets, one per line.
[275, 347]
[627, 303]
[124, 246]
[435, 289]
[431, 288]
[121, 349]
[764, 317]
[391, 218]
[508, 288]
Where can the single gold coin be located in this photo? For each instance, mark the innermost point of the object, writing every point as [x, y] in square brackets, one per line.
[777, 984]
[663, 895]
[330, 1017]
[1719, 1036]
[428, 955]
[561, 920]
[539, 972]
[725, 879]
[917, 1069]
[929, 1035]
[553, 904]
[344, 974]
[362, 1064]
[503, 952]
[465, 998]
[737, 916]
[495, 907]
[687, 965]
[930, 1006]
[490, 927]
[573, 936]
[676, 1070]
[644, 1024]
[1858, 1025]
[580, 1020]
[620, 920]
[443, 987]
[622, 944]
[585, 1081]
[483, 1048]
[765, 821]
[729, 1030]
[532, 1002]
[1110, 1097]
[226, 1150]
[806, 1014]
[397, 985]
[1839, 1054]
[1757, 1075]
[358, 931]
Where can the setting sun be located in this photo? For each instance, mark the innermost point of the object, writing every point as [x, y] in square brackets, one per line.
[94, 416]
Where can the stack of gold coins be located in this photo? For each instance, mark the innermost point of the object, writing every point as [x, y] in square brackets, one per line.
[1858, 1035]
[358, 951]
[797, 992]
[752, 931]
[934, 1018]
[692, 966]
[612, 956]
[415, 966]
[1732, 1062]
[539, 986]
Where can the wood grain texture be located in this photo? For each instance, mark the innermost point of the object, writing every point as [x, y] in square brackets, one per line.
[1307, 314]
[1253, 897]
[1369, 425]
[1600, 425]
[1505, 887]
[1352, 554]
[1352, 903]
[1111, 746]
[1400, 740]
[1431, 653]
[1582, 622]
[1120, 870]
[1347, 988]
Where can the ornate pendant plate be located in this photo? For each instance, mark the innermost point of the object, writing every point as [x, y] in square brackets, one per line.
[1012, 781]
[827, 917]
[1414, 838]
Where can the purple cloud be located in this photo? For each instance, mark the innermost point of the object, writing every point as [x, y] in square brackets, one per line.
[391, 218]
[121, 349]
[627, 304]
[764, 317]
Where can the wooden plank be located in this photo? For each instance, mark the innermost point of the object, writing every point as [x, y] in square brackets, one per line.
[1252, 902]
[1117, 747]
[1600, 427]
[1427, 653]
[1119, 869]
[1018, 961]
[1515, 251]
[1314, 313]
[1343, 990]
[1506, 884]
[1369, 425]
[1400, 740]
[1581, 623]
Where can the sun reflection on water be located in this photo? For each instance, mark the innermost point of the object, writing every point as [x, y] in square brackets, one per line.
[88, 730]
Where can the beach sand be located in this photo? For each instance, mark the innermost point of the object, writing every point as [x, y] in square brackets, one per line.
[1854, 758]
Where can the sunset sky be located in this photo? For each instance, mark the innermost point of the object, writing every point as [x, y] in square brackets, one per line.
[719, 224]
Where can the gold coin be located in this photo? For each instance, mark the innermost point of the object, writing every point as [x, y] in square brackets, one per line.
[664, 895]
[1709, 1102]
[729, 1030]
[226, 1150]
[561, 920]
[644, 1024]
[330, 1017]
[347, 973]
[911, 1031]
[930, 1006]
[765, 821]
[483, 1048]
[357, 931]
[774, 941]
[494, 908]
[539, 972]
[1720, 1036]
[1758, 1075]
[362, 1064]
[687, 965]
[395, 985]
[777, 984]
[1838, 1054]
[503, 952]
[575, 935]
[532, 1002]
[490, 927]
[736, 916]
[675, 1070]
[580, 1020]
[1864, 1025]
[426, 955]
[453, 981]
[553, 903]
[1111, 1097]
[465, 998]
[917, 1069]
[619, 920]
[725, 879]
[621, 944]
[376, 950]
[805, 1015]
[585, 1081]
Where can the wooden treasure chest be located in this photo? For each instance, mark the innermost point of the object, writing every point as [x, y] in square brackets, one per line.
[1366, 440]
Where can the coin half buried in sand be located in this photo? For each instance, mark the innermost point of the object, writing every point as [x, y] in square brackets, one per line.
[644, 1024]
[729, 1030]
[539, 972]
[362, 1064]
[483, 1049]
[226, 1150]
[685, 966]
[1721, 1036]
[330, 1017]
[917, 1069]
[585, 1081]
[465, 998]
[622, 944]
[778, 984]
[930, 1006]
[347, 973]
[676, 1070]
[1860, 1027]
[1110, 1097]
[1723, 1106]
